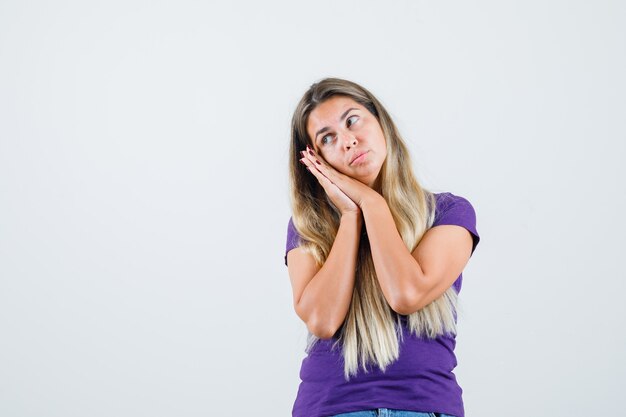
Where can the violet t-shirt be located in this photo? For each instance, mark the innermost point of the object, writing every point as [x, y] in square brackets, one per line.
[421, 379]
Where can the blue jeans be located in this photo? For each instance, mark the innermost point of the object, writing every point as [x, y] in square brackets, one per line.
[388, 412]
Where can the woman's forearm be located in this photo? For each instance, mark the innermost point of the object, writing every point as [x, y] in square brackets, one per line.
[399, 274]
[326, 299]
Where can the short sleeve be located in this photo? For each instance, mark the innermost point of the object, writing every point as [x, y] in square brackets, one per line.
[456, 210]
[293, 238]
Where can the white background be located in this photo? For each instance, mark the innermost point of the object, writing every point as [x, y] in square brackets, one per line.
[144, 195]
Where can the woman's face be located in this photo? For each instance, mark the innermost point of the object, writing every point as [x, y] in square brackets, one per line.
[341, 130]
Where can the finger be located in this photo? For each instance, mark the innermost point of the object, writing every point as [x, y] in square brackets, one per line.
[324, 182]
[312, 168]
[323, 166]
[319, 162]
[314, 157]
[306, 160]
[322, 179]
[308, 156]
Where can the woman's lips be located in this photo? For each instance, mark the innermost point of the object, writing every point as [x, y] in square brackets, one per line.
[360, 158]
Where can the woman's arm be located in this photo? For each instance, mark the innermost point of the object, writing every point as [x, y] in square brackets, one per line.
[409, 281]
[409, 285]
[322, 296]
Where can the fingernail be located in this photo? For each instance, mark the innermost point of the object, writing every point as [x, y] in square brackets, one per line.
[302, 160]
[311, 152]
[318, 162]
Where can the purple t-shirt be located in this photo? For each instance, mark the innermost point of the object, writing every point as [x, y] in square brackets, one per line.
[422, 378]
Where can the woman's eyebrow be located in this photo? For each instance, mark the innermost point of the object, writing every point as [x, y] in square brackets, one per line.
[343, 116]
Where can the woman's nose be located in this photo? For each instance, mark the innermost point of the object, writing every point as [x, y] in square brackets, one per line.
[348, 140]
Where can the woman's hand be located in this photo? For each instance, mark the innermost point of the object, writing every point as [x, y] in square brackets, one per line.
[357, 192]
[341, 201]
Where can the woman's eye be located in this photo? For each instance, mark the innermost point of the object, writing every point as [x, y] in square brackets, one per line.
[322, 140]
[351, 117]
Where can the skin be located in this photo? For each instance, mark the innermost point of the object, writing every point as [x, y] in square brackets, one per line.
[408, 280]
[348, 184]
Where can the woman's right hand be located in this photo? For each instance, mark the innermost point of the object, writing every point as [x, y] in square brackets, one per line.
[338, 198]
[342, 202]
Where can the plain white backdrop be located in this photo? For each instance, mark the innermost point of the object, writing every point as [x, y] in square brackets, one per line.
[144, 195]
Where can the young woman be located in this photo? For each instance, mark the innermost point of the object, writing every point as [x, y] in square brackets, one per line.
[375, 263]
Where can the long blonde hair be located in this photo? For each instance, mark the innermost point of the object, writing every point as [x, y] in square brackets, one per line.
[371, 331]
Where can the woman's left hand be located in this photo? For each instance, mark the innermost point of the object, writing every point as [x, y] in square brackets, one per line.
[355, 189]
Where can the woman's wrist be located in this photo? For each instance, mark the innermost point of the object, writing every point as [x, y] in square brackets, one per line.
[353, 216]
[351, 213]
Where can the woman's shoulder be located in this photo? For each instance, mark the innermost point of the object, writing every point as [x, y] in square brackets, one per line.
[446, 199]
[457, 210]
[446, 196]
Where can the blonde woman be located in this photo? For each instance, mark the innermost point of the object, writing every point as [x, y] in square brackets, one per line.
[375, 263]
